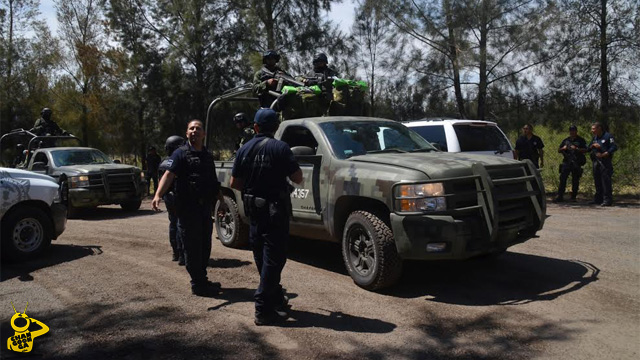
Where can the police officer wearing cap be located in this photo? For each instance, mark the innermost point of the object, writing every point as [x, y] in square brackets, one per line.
[261, 169]
[602, 148]
[175, 239]
[197, 185]
[246, 131]
[572, 149]
[264, 79]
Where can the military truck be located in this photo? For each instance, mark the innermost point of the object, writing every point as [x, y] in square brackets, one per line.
[87, 176]
[387, 195]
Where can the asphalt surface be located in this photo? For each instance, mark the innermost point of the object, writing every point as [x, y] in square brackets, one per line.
[108, 289]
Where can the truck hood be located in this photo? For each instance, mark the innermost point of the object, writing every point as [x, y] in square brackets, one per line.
[436, 165]
[94, 168]
[23, 174]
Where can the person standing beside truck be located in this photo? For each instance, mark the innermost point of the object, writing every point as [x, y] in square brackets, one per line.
[529, 146]
[602, 148]
[192, 167]
[260, 170]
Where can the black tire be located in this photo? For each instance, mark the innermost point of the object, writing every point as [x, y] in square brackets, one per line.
[369, 251]
[26, 232]
[231, 231]
[131, 205]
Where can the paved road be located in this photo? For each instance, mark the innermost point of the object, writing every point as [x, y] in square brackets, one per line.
[107, 289]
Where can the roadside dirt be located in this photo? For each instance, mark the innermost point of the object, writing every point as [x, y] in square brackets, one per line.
[108, 289]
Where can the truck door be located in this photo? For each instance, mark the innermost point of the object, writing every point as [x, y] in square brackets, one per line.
[306, 197]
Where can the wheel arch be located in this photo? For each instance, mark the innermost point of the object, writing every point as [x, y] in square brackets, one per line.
[347, 204]
[39, 204]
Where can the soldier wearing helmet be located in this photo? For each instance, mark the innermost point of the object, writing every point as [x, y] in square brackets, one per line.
[321, 69]
[45, 126]
[172, 143]
[264, 79]
[246, 131]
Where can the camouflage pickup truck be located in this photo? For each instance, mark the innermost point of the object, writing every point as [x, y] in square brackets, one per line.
[387, 195]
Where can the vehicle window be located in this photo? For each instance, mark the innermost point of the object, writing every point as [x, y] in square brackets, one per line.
[79, 157]
[352, 138]
[481, 138]
[41, 157]
[433, 134]
[299, 136]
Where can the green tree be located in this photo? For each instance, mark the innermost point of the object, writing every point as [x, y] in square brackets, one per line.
[82, 31]
[25, 59]
[603, 59]
[377, 46]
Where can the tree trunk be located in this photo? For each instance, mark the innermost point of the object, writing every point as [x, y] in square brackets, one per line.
[453, 54]
[604, 67]
[482, 86]
[268, 24]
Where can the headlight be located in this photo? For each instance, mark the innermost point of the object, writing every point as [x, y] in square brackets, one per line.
[79, 181]
[420, 197]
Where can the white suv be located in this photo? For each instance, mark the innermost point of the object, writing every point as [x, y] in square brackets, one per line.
[31, 214]
[472, 136]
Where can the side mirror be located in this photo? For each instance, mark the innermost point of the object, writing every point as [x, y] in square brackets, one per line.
[116, 161]
[436, 145]
[39, 166]
[302, 151]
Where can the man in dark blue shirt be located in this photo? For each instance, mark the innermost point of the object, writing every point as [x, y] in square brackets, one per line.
[529, 146]
[602, 148]
[261, 169]
[572, 149]
[193, 168]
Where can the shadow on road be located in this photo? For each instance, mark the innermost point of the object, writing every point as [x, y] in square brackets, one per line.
[511, 279]
[109, 213]
[227, 263]
[320, 254]
[55, 255]
[333, 320]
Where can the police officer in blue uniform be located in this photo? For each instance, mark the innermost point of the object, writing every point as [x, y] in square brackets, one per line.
[192, 166]
[170, 145]
[529, 146]
[261, 169]
[602, 149]
[572, 149]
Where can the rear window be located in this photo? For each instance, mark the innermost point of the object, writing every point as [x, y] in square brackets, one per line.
[481, 138]
[433, 134]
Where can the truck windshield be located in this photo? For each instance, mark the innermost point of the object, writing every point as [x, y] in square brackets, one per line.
[79, 157]
[352, 138]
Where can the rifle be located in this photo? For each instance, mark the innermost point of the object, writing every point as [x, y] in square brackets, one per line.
[282, 78]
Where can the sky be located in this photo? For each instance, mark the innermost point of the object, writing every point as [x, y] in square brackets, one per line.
[341, 14]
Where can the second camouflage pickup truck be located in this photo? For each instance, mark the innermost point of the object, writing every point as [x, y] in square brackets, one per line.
[387, 195]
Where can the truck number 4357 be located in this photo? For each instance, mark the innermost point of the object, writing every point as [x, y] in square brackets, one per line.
[300, 193]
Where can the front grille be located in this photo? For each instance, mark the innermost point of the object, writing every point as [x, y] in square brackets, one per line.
[121, 182]
[508, 197]
[117, 181]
